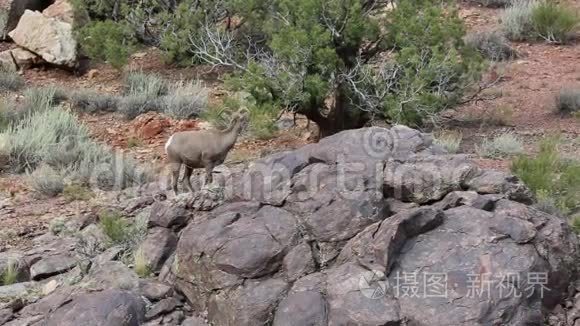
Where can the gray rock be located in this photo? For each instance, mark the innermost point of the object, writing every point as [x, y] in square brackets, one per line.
[108, 255]
[113, 274]
[168, 215]
[252, 304]
[154, 290]
[52, 265]
[5, 315]
[497, 182]
[16, 290]
[109, 307]
[304, 308]
[299, 262]
[422, 179]
[158, 246]
[194, 321]
[162, 307]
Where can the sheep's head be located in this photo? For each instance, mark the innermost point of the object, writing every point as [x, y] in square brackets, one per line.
[240, 116]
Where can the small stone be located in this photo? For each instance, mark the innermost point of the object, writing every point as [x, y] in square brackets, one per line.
[49, 287]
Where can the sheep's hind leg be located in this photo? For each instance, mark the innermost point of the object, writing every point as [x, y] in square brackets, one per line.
[187, 177]
[175, 167]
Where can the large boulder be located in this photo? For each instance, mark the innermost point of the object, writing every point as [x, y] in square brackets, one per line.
[374, 227]
[12, 10]
[48, 37]
[109, 307]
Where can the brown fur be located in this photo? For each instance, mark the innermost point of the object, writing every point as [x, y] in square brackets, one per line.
[201, 149]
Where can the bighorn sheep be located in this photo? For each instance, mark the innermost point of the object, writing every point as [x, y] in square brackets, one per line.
[201, 149]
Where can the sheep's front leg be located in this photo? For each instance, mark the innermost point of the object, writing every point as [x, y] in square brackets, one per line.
[208, 174]
[187, 177]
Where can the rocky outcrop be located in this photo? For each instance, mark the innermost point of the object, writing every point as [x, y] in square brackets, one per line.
[368, 227]
[48, 37]
[374, 227]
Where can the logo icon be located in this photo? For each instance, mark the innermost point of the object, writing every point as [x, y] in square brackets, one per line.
[372, 284]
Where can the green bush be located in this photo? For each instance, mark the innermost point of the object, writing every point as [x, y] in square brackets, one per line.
[46, 181]
[121, 232]
[549, 175]
[492, 45]
[41, 98]
[133, 105]
[568, 101]
[10, 81]
[107, 41]
[10, 274]
[554, 22]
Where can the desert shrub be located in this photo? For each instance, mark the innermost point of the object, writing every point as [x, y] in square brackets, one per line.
[107, 41]
[115, 227]
[504, 145]
[492, 45]
[517, 22]
[568, 101]
[38, 135]
[185, 100]
[121, 232]
[141, 264]
[550, 176]
[554, 22]
[10, 274]
[450, 141]
[500, 116]
[92, 102]
[133, 105]
[7, 113]
[151, 85]
[41, 98]
[10, 80]
[54, 137]
[75, 191]
[46, 181]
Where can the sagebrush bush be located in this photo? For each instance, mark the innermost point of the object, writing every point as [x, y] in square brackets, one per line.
[554, 22]
[537, 19]
[185, 100]
[41, 98]
[55, 137]
[548, 175]
[46, 181]
[575, 221]
[133, 105]
[140, 83]
[492, 45]
[517, 22]
[91, 101]
[568, 101]
[504, 145]
[450, 141]
[107, 41]
[7, 113]
[75, 191]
